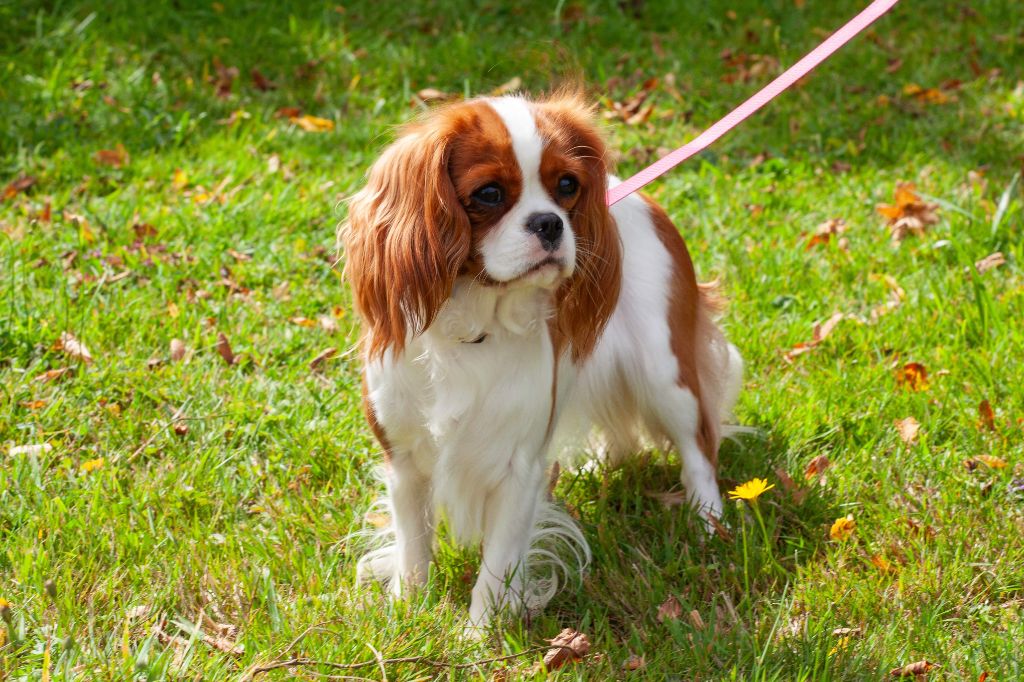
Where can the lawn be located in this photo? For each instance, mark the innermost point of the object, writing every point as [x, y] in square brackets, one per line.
[190, 503]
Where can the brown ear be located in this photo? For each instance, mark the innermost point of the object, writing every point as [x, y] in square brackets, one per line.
[405, 239]
[587, 299]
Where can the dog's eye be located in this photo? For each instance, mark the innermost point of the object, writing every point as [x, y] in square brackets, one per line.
[567, 185]
[489, 195]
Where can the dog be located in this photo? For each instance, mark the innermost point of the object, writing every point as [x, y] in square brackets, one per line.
[505, 308]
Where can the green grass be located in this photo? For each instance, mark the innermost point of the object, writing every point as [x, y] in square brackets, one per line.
[251, 515]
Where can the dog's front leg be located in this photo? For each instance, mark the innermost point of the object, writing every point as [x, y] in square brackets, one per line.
[510, 514]
[412, 512]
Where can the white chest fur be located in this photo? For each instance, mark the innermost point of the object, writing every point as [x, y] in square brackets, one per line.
[471, 415]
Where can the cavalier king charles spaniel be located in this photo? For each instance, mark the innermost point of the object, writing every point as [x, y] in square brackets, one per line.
[506, 309]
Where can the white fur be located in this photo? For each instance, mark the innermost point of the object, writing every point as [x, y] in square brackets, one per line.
[509, 250]
[468, 423]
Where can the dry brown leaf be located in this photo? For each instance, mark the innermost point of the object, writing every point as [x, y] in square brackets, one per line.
[34, 404]
[695, 620]
[74, 348]
[302, 321]
[313, 124]
[824, 232]
[882, 564]
[328, 324]
[986, 415]
[569, 645]
[224, 348]
[177, 350]
[670, 609]
[789, 485]
[115, 158]
[720, 530]
[511, 85]
[913, 376]
[317, 363]
[53, 375]
[820, 332]
[908, 428]
[993, 260]
[143, 230]
[261, 82]
[288, 112]
[991, 461]
[816, 467]
[434, 95]
[913, 669]
[909, 215]
[239, 256]
[18, 185]
[926, 95]
[634, 662]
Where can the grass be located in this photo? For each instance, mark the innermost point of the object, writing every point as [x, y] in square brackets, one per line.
[236, 493]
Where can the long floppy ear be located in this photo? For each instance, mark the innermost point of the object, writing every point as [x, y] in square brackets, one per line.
[587, 299]
[405, 239]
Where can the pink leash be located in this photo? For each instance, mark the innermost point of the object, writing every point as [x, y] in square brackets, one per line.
[765, 95]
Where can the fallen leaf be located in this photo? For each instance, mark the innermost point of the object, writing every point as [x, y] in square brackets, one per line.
[53, 375]
[224, 348]
[908, 428]
[115, 158]
[328, 324]
[816, 467]
[569, 645]
[313, 124]
[912, 376]
[316, 364]
[74, 348]
[143, 230]
[179, 180]
[882, 564]
[824, 232]
[177, 350]
[789, 485]
[34, 404]
[510, 86]
[634, 662]
[926, 95]
[288, 112]
[670, 609]
[909, 215]
[913, 669]
[261, 82]
[302, 321]
[92, 464]
[991, 461]
[720, 530]
[986, 416]
[695, 620]
[993, 260]
[17, 186]
[224, 79]
[820, 332]
[842, 528]
[433, 95]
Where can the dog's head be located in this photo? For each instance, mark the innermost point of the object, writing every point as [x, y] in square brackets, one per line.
[506, 191]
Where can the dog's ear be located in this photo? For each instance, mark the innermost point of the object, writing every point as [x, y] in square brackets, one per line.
[405, 239]
[587, 299]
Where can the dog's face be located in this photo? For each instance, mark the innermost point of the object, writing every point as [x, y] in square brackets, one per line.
[505, 191]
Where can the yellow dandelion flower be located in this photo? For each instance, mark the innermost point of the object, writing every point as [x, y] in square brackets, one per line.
[92, 465]
[843, 528]
[751, 490]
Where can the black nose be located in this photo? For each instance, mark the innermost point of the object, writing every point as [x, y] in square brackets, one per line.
[547, 227]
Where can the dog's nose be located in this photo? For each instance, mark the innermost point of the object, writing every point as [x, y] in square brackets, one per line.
[547, 227]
